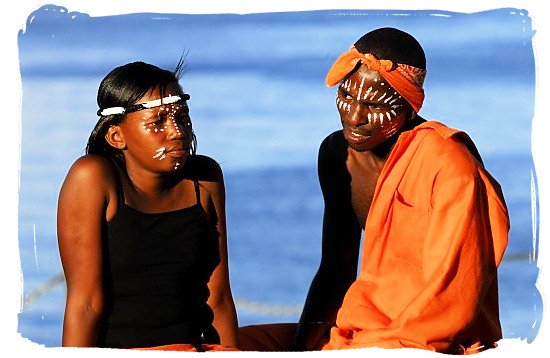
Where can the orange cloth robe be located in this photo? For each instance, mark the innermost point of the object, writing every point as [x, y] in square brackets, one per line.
[435, 234]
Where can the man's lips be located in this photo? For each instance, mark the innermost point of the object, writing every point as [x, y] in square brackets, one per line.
[355, 135]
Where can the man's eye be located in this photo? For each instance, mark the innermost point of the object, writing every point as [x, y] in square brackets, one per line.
[345, 95]
[375, 106]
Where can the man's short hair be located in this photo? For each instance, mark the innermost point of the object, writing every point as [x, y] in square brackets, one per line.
[388, 43]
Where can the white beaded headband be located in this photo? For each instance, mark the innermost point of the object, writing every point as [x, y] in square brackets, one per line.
[136, 107]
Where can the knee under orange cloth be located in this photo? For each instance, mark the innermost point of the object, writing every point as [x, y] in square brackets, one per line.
[275, 337]
[186, 347]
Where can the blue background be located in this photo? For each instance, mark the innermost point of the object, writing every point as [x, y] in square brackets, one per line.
[260, 108]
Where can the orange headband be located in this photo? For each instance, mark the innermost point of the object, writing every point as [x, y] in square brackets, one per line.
[405, 79]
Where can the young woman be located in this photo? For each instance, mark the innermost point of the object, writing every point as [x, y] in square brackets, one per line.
[141, 225]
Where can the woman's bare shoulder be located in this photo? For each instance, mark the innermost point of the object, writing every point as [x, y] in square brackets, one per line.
[91, 172]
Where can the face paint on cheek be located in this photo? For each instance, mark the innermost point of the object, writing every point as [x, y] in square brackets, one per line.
[389, 131]
[161, 153]
[397, 97]
[339, 103]
[367, 93]
[373, 95]
[392, 123]
[343, 105]
[390, 98]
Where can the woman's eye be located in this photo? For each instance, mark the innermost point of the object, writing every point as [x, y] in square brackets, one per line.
[156, 123]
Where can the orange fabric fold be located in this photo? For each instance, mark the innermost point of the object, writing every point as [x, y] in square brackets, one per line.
[405, 79]
[434, 238]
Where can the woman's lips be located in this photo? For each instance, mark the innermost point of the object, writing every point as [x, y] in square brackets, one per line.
[178, 152]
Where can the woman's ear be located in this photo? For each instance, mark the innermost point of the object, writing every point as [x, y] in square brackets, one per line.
[115, 137]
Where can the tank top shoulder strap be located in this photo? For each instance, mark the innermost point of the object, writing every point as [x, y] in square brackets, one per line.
[197, 192]
[118, 183]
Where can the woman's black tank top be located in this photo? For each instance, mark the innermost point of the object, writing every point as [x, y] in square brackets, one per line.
[156, 271]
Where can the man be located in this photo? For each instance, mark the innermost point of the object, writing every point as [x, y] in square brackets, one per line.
[434, 222]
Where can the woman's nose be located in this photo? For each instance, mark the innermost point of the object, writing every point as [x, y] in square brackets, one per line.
[175, 129]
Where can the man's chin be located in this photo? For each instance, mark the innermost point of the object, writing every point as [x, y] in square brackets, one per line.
[360, 147]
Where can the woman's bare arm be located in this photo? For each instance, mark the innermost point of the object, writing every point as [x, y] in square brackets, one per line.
[81, 213]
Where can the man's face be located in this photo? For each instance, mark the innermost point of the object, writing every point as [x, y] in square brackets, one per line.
[371, 111]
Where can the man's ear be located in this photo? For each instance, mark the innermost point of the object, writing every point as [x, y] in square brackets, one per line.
[115, 137]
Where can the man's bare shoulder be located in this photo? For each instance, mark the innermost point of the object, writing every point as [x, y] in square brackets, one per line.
[202, 168]
[333, 141]
[333, 151]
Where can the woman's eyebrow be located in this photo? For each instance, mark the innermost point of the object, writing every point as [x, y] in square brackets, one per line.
[154, 117]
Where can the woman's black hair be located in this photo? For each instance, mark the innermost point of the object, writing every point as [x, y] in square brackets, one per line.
[122, 87]
[389, 43]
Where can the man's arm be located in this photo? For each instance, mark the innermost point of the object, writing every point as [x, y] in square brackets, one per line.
[340, 246]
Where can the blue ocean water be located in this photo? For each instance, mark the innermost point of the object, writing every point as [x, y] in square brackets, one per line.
[260, 108]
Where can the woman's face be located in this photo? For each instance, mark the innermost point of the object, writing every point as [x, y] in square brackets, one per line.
[371, 111]
[158, 139]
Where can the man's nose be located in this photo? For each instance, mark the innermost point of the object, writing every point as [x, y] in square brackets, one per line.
[358, 116]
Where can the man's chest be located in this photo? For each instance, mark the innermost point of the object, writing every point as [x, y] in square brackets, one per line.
[364, 170]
